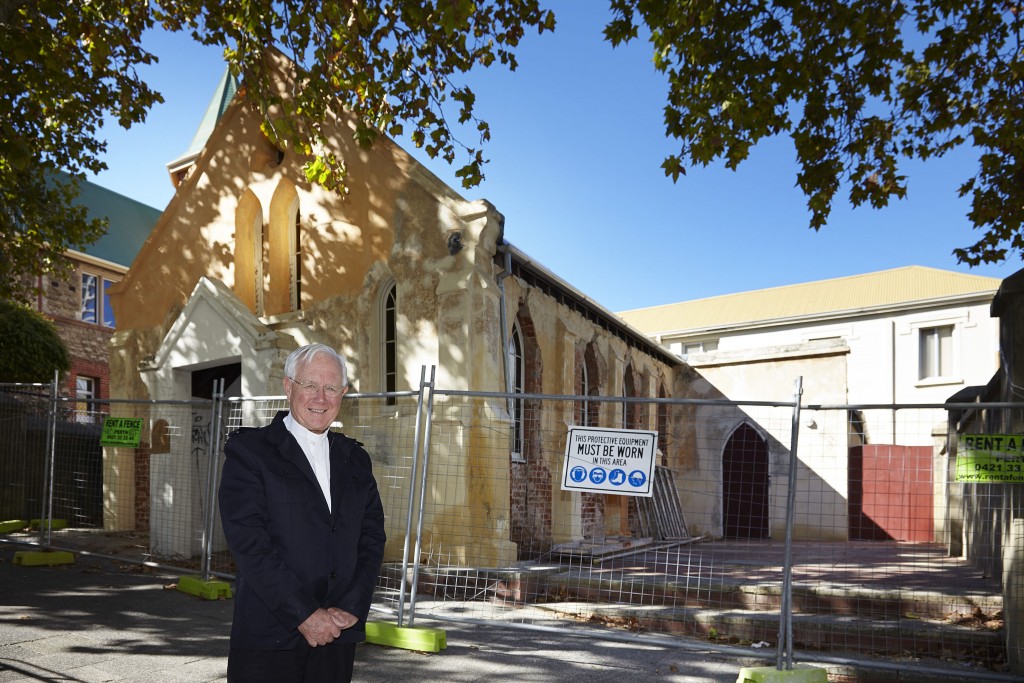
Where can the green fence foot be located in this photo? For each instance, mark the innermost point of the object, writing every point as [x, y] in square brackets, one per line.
[209, 590]
[800, 673]
[406, 637]
[55, 524]
[12, 525]
[43, 558]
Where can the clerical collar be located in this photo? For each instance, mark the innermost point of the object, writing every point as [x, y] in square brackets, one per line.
[300, 432]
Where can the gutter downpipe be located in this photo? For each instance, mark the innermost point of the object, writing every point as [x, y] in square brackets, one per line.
[892, 378]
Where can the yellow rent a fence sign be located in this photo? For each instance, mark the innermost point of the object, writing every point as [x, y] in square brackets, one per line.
[990, 459]
[121, 431]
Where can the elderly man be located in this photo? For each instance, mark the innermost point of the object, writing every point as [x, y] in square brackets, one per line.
[304, 521]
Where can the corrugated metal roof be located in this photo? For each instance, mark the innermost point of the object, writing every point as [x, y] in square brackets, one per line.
[130, 223]
[896, 287]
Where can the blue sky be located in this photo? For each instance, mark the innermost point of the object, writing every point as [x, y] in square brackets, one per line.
[577, 143]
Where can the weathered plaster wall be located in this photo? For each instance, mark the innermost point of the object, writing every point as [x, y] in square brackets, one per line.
[559, 338]
[821, 472]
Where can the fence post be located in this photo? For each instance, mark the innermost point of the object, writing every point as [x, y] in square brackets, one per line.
[49, 468]
[785, 650]
[216, 410]
[423, 495]
[412, 493]
[1013, 595]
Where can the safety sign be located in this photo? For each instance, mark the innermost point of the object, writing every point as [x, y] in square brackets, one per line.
[618, 461]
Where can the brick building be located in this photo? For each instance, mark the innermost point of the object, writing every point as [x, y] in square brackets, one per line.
[79, 304]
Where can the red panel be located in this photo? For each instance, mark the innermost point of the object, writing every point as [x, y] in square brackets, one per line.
[891, 493]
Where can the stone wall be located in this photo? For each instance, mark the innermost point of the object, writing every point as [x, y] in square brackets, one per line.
[88, 344]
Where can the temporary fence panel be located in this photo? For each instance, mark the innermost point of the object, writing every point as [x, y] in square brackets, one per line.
[875, 515]
[386, 425]
[892, 559]
[142, 499]
[503, 542]
[25, 447]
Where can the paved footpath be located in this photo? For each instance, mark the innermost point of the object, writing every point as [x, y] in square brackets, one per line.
[99, 620]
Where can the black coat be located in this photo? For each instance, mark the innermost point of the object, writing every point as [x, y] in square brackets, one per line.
[293, 554]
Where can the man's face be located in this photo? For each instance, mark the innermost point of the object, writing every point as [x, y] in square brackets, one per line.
[312, 406]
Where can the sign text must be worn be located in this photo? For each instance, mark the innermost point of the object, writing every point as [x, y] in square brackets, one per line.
[121, 431]
[600, 460]
[990, 459]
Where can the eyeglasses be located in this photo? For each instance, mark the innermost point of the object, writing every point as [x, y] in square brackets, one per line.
[330, 391]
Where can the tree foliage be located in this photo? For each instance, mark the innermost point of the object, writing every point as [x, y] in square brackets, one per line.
[859, 85]
[388, 62]
[63, 68]
[67, 66]
[30, 348]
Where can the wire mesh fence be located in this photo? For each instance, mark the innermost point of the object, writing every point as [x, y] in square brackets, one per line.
[140, 502]
[886, 556]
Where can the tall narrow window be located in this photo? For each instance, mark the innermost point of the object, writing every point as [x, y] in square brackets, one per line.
[249, 259]
[936, 352]
[108, 312]
[284, 255]
[297, 265]
[591, 387]
[632, 417]
[585, 391]
[625, 409]
[663, 427]
[389, 341]
[90, 304]
[518, 384]
[85, 391]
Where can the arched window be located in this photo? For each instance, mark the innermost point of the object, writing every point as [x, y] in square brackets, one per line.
[584, 409]
[296, 252]
[249, 252]
[517, 377]
[663, 426]
[628, 391]
[389, 339]
[285, 252]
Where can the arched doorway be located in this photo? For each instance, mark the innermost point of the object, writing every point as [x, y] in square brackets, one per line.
[745, 485]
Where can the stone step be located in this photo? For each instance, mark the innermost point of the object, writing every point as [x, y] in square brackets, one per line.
[830, 633]
[819, 598]
[833, 618]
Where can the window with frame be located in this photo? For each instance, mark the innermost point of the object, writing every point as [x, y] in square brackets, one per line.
[95, 306]
[85, 391]
[700, 346]
[662, 417]
[389, 341]
[935, 357]
[630, 411]
[296, 274]
[517, 376]
[585, 408]
[90, 305]
[108, 310]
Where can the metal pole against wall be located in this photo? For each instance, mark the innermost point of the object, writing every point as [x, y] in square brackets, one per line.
[423, 495]
[213, 451]
[785, 650]
[412, 493]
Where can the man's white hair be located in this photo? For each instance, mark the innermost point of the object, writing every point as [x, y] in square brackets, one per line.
[305, 354]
